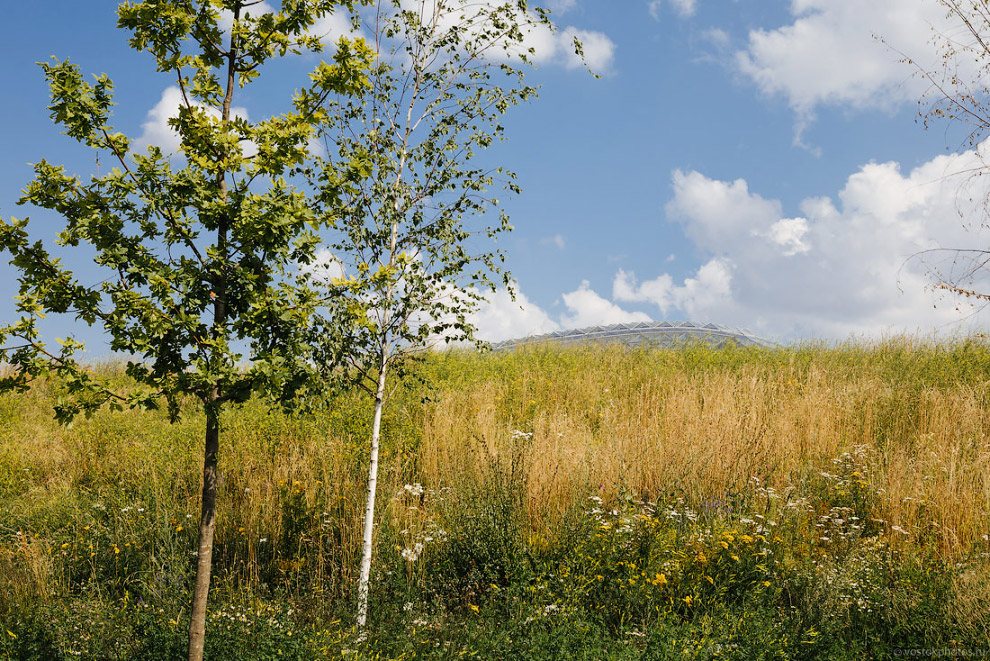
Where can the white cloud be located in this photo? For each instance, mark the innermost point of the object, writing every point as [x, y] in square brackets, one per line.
[549, 46]
[718, 211]
[683, 8]
[561, 6]
[325, 268]
[844, 266]
[501, 318]
[598, 49]
[829, 56]
[556, 240]
[696, 296]
[789, 233]
[717, 37]
[586, 308]
[226, 21]
[332, 27]
[156, 129]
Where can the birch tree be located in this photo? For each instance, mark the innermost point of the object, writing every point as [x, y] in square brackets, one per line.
[199, 252]
[412, 254]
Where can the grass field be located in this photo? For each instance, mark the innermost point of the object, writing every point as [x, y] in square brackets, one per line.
[812, 502]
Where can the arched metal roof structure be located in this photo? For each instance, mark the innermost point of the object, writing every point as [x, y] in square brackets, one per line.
[661, 334]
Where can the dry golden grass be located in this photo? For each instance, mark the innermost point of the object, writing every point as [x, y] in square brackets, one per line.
[624, 423]
[697, 424]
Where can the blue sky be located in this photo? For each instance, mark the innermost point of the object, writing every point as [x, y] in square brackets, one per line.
[754, 164]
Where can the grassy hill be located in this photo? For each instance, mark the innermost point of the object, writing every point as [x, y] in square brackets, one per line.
[811, 502]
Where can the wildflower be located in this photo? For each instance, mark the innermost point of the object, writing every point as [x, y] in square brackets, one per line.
[414, 489]
[475, 608]
[412, 554]
[687, 600]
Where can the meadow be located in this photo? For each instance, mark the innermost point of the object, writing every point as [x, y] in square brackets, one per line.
[811, 502]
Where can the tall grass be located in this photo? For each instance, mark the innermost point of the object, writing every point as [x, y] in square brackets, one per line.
[487, 468]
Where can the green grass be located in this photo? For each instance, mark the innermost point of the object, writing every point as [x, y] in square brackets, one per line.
[818, 502]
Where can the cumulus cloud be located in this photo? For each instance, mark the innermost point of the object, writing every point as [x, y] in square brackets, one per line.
[710, 287]
[683, 8]
[847, 264]
[331, 27]
[561, 6]
[543, 44]
[500, 318]
[829, 54]
[598, 50]
[585, 307]
[325, 268]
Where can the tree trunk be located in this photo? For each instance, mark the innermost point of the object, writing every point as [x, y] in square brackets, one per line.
[207, 525]
[364, 582]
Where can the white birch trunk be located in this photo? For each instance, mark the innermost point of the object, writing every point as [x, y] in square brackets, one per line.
[364, 582]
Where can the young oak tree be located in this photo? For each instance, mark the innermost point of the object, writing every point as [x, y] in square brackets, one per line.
[199, 253]
[408, 267]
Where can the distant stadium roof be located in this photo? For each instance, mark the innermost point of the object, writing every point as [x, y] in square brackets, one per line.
[664, 334]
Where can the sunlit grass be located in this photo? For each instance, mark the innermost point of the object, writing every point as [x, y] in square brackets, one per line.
[810, 498]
